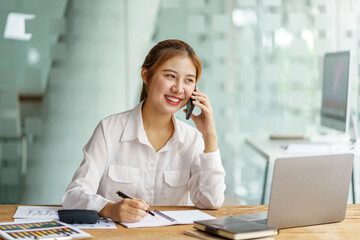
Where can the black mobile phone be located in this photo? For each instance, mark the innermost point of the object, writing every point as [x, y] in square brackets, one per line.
[189, 107]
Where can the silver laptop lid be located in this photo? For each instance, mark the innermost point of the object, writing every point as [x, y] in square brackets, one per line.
[309, 190]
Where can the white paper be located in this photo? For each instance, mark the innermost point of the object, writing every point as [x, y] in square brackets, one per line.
[181, 217]
[188, 216]
[29, 213]
[36, 212]
[102, 223]
[28, 220]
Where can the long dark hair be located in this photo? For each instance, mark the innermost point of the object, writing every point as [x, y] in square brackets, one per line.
[162, 52]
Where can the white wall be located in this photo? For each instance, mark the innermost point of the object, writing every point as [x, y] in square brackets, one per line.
[106, 42]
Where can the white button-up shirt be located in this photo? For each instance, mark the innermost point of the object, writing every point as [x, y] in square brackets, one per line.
[119, 156]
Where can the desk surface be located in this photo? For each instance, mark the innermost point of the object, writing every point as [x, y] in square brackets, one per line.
[271, 149]
[347, 229]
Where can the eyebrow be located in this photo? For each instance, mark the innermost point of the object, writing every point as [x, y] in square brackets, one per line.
[171, 70]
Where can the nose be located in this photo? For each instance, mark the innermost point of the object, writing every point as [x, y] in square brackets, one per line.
[178, 87]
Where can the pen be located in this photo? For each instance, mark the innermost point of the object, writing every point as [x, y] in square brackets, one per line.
[123, 195]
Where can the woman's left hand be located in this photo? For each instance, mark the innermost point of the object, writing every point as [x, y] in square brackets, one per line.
[204, 122]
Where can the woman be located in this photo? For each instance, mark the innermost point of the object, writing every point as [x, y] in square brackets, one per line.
[146, 152]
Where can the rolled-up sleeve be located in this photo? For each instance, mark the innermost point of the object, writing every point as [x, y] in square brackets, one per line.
[82, 191]
[207, 181]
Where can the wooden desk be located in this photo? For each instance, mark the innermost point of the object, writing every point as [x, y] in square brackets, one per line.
[347, 229]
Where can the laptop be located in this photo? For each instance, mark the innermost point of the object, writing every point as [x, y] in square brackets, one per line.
[307, 190]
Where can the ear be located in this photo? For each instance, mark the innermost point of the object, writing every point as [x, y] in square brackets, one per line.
[144, 72]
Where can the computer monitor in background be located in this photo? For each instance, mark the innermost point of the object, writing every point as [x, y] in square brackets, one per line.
[335, 106]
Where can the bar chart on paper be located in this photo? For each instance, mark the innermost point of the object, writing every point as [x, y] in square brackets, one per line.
[40, 230]
[37, 212]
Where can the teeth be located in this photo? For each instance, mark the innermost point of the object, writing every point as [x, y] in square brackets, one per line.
[173, 99]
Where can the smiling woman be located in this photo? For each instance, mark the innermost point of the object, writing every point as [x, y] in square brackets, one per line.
[162, 52]
[147, 153]
[173, 82]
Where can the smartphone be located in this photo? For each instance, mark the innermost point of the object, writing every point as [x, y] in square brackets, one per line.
[189, 107]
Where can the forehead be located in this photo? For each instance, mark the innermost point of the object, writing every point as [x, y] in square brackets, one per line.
[182, 64]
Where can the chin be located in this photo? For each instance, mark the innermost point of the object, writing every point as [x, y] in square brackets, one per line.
[173, 109]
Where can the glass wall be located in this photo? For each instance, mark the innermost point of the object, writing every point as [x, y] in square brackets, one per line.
[262, 69]
[65, 65]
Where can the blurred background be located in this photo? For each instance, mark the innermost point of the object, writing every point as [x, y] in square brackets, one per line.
[67, 64]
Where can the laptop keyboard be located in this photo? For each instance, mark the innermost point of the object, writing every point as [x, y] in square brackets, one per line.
[261, 221]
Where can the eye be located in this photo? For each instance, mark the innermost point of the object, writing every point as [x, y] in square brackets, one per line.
[170, 75]
[190, 80]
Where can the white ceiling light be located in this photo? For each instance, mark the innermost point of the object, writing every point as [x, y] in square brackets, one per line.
[33, 56]
[283, 38]
[15, 26]
[308, 36]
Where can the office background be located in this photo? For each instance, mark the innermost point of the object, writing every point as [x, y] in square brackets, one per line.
[65, 65]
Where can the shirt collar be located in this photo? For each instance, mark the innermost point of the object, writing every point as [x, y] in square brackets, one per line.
[134, 129]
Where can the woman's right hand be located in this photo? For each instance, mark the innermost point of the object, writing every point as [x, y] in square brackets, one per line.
[128, 210]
